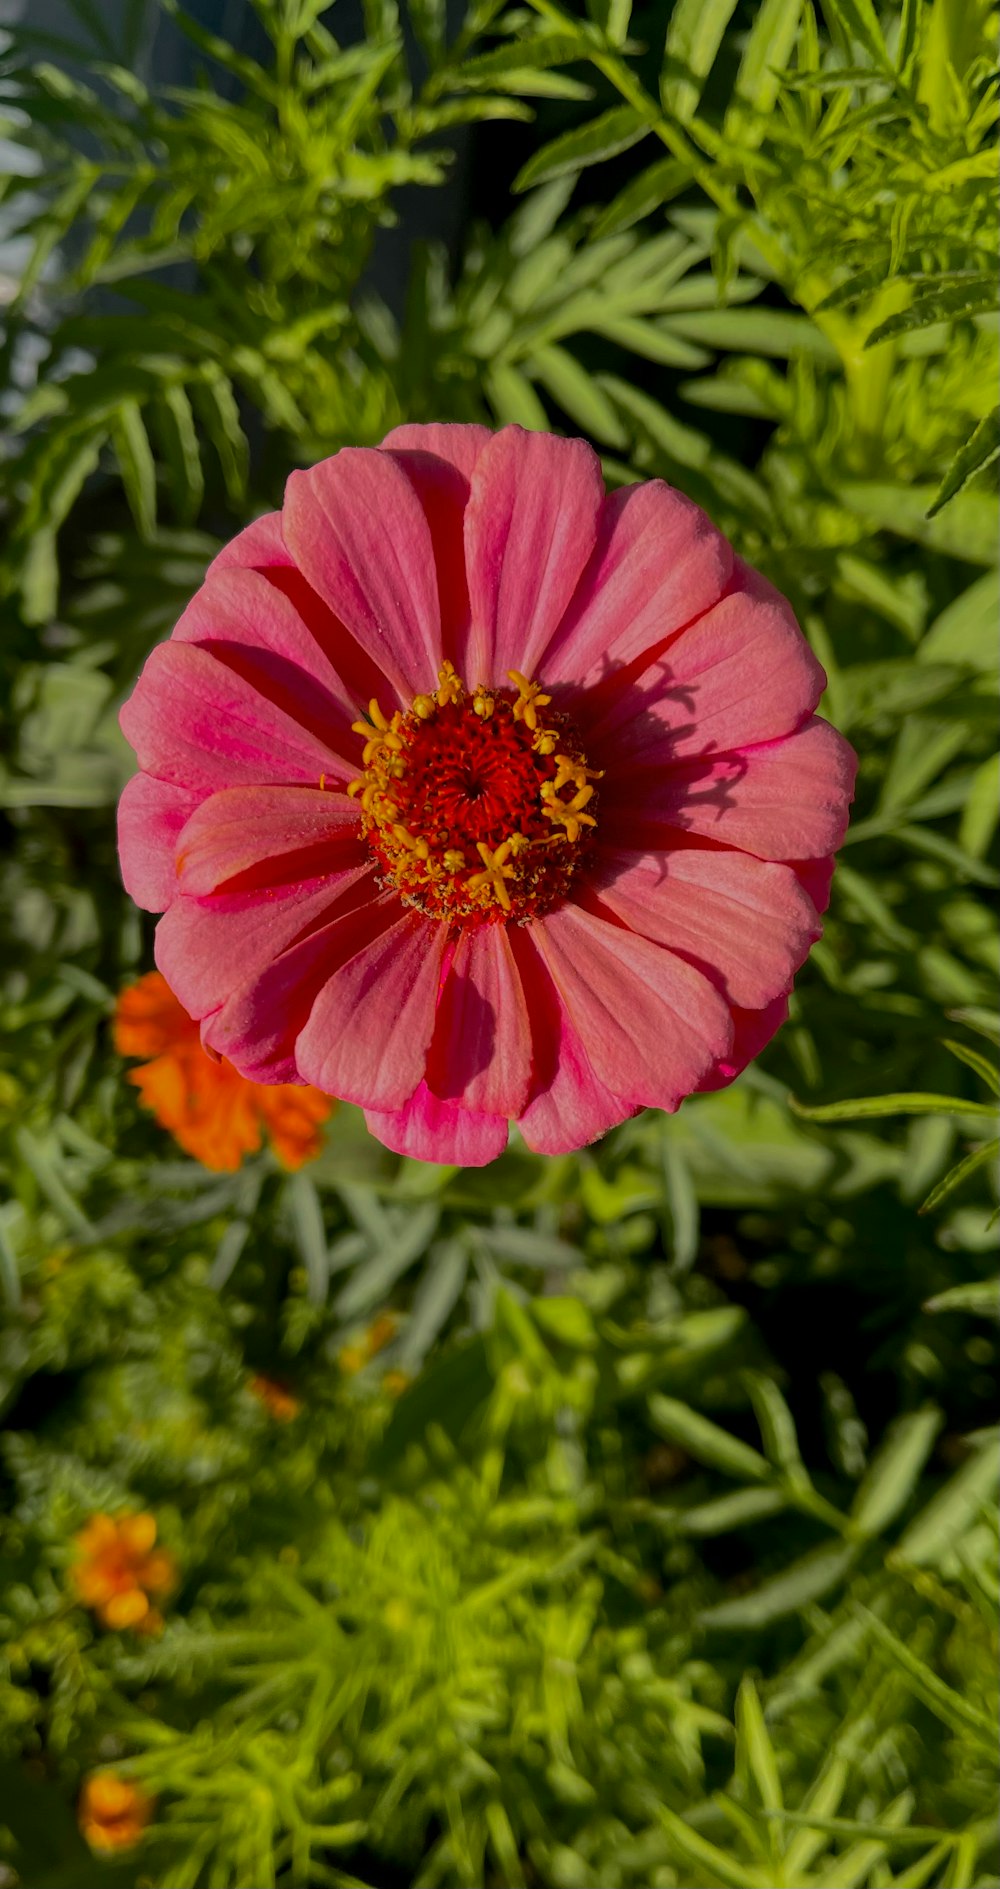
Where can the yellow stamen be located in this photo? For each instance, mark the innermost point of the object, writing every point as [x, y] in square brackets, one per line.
[529, 699]
[497, 870]
[450, 687]
[568, 769]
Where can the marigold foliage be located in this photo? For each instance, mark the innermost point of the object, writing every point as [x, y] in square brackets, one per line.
[616, 1520]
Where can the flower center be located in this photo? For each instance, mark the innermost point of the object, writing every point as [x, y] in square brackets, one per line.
[478, 805]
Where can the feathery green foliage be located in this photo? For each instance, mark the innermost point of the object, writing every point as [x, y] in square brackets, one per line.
[655, 1544]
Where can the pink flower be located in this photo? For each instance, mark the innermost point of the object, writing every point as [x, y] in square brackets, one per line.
[472, 795]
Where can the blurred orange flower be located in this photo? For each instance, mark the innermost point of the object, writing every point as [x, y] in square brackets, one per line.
[353, 1358]
[112, 1813]
[277, 1401]
[214, 1113]
[118, 1568]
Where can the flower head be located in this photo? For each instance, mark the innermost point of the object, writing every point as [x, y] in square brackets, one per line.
[118, 1569]
[214, 1113]
[112, 1812]
[280, 1403]
[472, 794]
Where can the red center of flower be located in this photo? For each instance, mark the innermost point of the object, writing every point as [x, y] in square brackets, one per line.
[478, 806]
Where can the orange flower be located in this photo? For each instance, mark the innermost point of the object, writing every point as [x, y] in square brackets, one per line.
[277, 1401]
[214, 1113]
[353, 1358]
[118, 1568]
[112, 1813]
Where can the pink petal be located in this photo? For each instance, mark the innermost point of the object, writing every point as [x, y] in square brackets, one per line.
[651, 1024]
[277, 835]
[530, 527]
[198, 724]
[257, 546]
[151, 814]
[370, 1028]
[752, 1031]
[481, 1053]
[443, 492]
[266, 1011]
[816, 877]
[657, 564]
[747, 925]
[459, 445]
[262, 548]
[788, 799]
[568, 1106]
[427, 1129]
[357, 530]
[742, 673]
[208, 948]
[253, 628]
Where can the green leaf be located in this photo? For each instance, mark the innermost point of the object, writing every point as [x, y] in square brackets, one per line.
[981, 1298]
[218, 409]
[874, 1106]
[138, 469]
[438, 1292]
[820, 1802]
[909, 36]
[579, 396]
[860, 23]
[409, 1238]
[526, 1246]
[801, 1584]
[968, 530]
[566, 1320]
[942, 1699]
[453, 1386]
[693, 38]
[974, 1060]
[705, 1441]
[777, 1425]
[592, 143]
[959, 1174]
[174, 420]
[950, 302]
[965, 631]
[10, 1277]
[979, 451]
[695, 1851]
[652, 340]
[310, 1235]
[982, 809]
[651, 190]
[680, 1200]
[765, 55]
[933, 1536]
[894, 1471]
[513, 398]
[752, 1736]
[221, 50]
[536, 218]
[42, 1161]
[728, 1512]
[767, 331]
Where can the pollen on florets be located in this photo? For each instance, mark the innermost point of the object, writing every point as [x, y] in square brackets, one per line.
[478, 805]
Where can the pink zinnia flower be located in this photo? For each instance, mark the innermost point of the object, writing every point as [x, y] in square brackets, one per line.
[473, 795]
